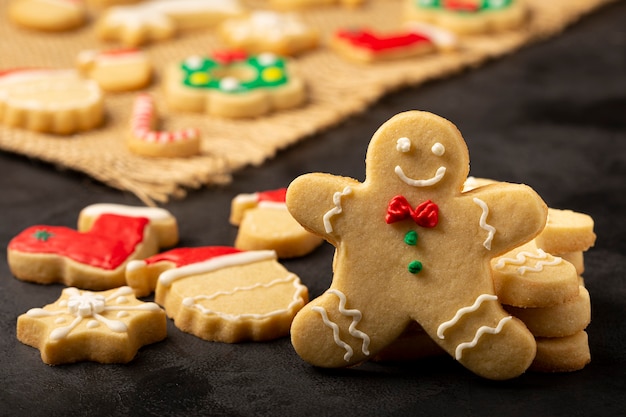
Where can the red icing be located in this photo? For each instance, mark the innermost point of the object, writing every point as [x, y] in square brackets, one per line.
[186, 256]
[229, 56]
[462, 5]
[109, 243]
[376, 43]
[425, 215]
[276, 196]
[120, 52]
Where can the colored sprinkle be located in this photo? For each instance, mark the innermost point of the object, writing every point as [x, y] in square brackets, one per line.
[415, 267]
[411, 238]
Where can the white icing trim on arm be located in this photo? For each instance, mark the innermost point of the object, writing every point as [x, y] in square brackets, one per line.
[335, 210]
[491, 231]
[441, 171]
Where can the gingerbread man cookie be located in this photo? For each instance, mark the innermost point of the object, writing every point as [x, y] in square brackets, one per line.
[410, 246]
[105, 327]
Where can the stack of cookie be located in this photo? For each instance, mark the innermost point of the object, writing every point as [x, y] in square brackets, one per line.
[547, 292]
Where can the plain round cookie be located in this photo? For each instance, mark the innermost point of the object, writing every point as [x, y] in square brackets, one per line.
[47, 15]
[562, 354]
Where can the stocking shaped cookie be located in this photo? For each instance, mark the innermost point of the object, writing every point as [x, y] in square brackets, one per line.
[411, 246]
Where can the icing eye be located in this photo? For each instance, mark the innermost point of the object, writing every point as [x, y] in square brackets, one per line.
[438, 149]
[403, 145]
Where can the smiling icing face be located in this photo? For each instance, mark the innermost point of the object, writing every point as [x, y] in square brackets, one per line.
[417, 159]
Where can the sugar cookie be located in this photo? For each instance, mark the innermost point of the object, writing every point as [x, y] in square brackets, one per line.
[364, 45]
[116, 70]
[48, 15]
[530, 277]
[468, 17]
[301, 4]
[94, 256]
[265, 223]
[50, 101]
[144, 140]
[562, 354]
[229, 295]
[566, 231]
[105, 327]
[410, 246]
[232, 84]
[267, 31]
[157, 20]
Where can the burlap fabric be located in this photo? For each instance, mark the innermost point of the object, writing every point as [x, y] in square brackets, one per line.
[337, 89]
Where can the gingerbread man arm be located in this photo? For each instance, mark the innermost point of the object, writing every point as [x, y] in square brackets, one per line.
[516, 208]
[315, 201]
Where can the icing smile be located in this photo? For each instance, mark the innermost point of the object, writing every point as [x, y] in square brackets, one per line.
[441, 171]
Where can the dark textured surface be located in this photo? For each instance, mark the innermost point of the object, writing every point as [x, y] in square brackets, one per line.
[552, 116]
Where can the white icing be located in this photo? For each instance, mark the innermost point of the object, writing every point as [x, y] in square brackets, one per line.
[335, 210]
[523, 257]
[153, 213]
[463, 311]
[335, 329]
[440, 37]
[458, 354]
[135, 265]
[403, 145]
[192, 302]
[356, 318]
[267, 25]
[87, 305]
[224, 261]
[438, 149]
[491, 231]
[441, 171]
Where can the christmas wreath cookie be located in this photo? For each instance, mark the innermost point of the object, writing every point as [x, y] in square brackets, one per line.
[411, 246]
[468, 17]
[233, 84]
[50, 101]
[223, 294]
[265, 223]
[105, 327]
[94, 256]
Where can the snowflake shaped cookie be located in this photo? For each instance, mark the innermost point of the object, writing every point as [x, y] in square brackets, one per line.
[105, 327]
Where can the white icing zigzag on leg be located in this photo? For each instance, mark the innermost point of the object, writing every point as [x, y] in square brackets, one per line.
[479, 333]
[335, 329]
[356, 318]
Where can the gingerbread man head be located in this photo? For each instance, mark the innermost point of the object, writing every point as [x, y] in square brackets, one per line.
[411, 246]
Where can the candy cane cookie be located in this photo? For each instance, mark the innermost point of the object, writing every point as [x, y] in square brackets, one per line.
[117, 69]
[48, 15]
[50, 101]
[265, 223]
[233, 84]
[220, 293]
[144, 140]
[104, 327]
[94, 256]
[468, 17]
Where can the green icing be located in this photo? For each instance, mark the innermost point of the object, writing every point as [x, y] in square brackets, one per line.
[411, 238]
[415, 267]
[42, 235]
[257, 73]
[484, 5]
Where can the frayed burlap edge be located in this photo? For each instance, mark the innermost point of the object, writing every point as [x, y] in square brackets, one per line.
[337, 89]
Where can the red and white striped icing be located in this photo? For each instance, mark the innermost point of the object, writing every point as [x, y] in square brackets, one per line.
[141, 124]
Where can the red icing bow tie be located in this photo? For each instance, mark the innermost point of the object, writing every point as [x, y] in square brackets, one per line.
[425, 215]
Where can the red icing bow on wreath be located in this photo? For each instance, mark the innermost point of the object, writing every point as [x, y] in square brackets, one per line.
[425, 215]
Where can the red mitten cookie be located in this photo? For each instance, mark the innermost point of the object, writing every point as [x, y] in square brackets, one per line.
[410, 246]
